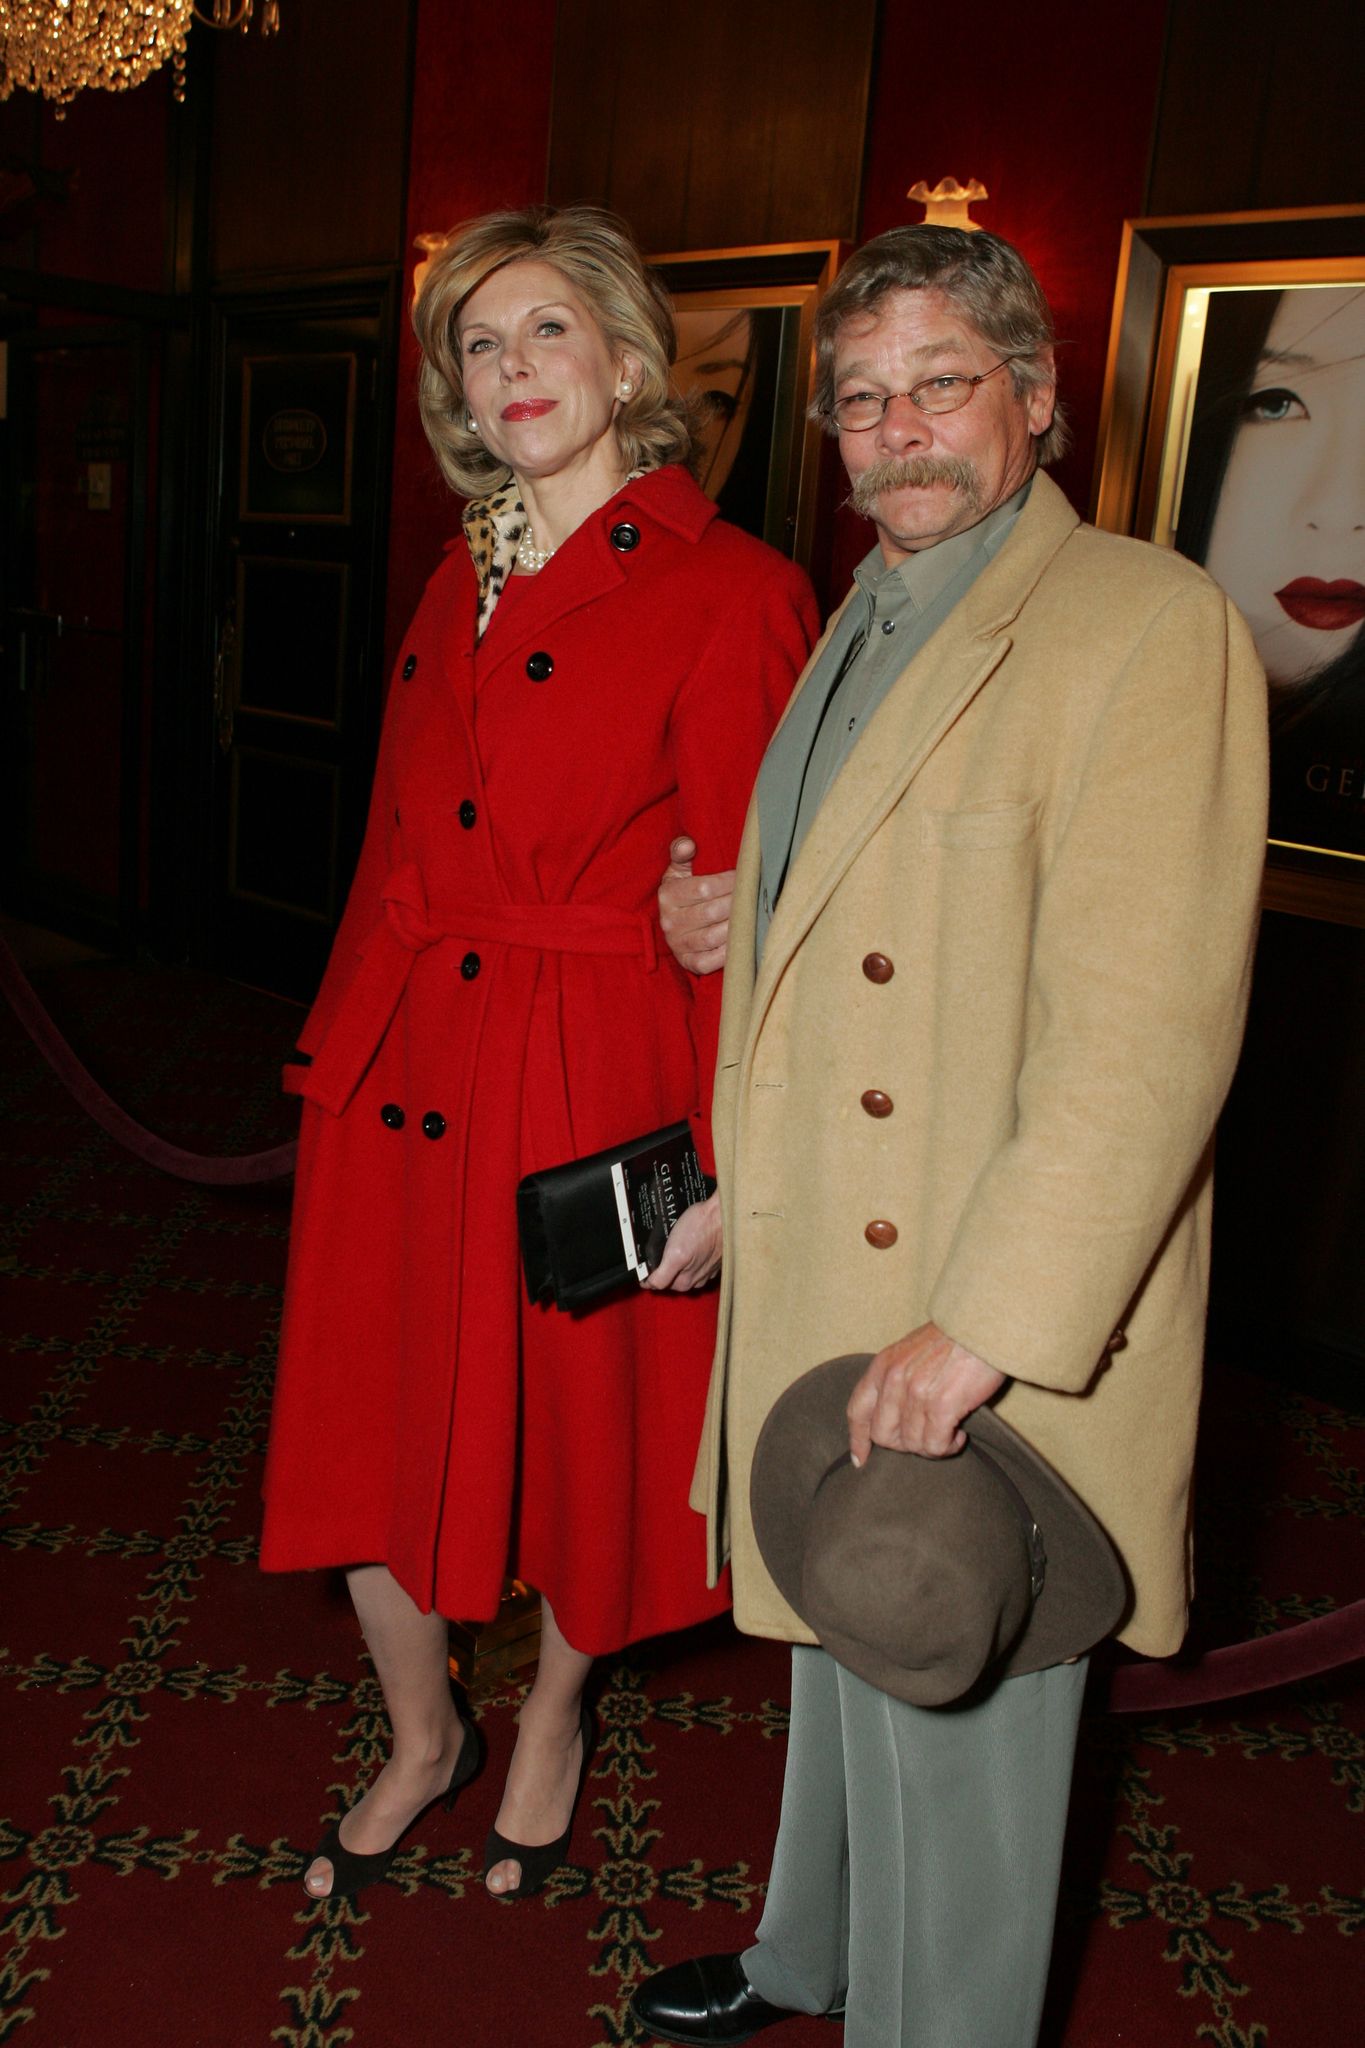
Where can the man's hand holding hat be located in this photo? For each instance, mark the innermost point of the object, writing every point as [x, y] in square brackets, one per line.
[915, 1395]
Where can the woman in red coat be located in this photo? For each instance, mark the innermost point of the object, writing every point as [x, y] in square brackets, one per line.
[600, 660]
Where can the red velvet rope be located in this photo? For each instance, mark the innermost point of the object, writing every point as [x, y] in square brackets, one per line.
[1304, 1651]
[210, 1169]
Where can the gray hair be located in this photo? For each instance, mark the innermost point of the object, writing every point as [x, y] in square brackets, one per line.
[598, 255]
[984, 278]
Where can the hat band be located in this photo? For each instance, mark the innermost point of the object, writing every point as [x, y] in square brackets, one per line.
[1037, 1553]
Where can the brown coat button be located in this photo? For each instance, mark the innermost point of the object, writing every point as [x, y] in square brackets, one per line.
[877, 967]
[877, 1102]
[881, 1235]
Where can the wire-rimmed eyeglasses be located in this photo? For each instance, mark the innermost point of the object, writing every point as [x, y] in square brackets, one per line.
[857, 411]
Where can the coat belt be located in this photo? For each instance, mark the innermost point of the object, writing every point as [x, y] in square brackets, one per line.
[357, 1026]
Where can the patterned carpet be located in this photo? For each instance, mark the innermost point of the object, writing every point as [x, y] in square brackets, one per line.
[175, 1729]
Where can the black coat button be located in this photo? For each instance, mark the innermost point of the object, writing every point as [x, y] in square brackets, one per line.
[433, 1124]
[540, 668]
[409, 667]
[470, 965]
[625, 538]
[468, 815]
[393, 1116]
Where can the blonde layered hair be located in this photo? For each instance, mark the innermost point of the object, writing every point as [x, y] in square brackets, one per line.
[596, 253]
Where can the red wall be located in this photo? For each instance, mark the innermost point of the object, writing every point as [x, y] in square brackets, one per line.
[463, 159]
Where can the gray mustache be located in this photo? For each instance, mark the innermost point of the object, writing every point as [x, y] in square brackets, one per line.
[914, 472]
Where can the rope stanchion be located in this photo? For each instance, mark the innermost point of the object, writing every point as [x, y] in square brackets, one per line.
[207, 1168]
[1304, 1651]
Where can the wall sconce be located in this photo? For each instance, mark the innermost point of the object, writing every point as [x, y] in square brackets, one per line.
[428, 244]
[946, 206]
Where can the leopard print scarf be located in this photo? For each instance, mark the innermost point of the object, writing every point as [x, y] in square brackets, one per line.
[493, 527]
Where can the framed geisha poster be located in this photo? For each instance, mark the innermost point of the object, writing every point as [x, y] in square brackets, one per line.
[1234, 431]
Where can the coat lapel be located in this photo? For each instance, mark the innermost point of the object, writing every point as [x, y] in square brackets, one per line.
[924, 702]
[585, 568]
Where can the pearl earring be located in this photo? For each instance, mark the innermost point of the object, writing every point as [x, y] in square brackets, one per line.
[625, 390]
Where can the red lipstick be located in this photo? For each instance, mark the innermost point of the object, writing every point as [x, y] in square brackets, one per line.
[1327, 607]
[529, 408]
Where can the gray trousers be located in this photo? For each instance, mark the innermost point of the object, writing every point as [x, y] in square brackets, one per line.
[916, 1867]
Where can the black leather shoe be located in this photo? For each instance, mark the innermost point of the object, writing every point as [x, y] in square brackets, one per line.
[705, 2001]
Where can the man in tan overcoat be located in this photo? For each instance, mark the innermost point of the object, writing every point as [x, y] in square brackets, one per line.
[987, 970]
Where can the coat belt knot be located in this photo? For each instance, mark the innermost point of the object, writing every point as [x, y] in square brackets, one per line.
[386, 959]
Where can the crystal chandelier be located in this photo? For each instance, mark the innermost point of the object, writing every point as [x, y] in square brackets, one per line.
[62, 47]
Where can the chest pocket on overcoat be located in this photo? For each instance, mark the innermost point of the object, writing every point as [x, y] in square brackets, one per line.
[979, 828]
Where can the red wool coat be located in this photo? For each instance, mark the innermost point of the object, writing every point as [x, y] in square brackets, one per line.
[499, 999]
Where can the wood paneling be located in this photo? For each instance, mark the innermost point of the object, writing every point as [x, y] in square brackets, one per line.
[1260, 107]
[710, 124]
[310, 140]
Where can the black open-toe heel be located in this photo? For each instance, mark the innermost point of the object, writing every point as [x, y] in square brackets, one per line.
[539, 1864]
[350, 1872]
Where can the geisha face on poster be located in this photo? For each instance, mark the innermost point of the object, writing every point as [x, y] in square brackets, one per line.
[1287, 536]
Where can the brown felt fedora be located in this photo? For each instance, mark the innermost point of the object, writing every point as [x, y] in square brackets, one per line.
[922, 1575]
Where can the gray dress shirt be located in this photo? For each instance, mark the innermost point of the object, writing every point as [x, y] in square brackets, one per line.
[891, 616]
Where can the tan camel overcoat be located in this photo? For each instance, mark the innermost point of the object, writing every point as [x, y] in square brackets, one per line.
[1053, 831]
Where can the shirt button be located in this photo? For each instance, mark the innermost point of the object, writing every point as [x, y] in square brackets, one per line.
[468, 815]
[540, 668]
[409, 667]
[434, 1126]
[880, 1234]
[852, 722]
[393, 1116]
[888, 625]
[470, 965]
[877, 1102]
[878, 968]
[625, 538]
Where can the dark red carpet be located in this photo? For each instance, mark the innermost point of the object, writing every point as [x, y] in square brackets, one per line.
[176, 1728]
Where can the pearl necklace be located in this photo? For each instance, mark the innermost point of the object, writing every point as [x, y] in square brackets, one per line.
[529, 556]
[533, 559]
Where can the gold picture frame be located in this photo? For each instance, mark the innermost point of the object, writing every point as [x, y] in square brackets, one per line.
[746, 327]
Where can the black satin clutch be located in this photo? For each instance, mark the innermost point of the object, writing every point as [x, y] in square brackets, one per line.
[595, 1225]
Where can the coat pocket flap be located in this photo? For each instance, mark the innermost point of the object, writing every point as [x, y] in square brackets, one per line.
[981, 827]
